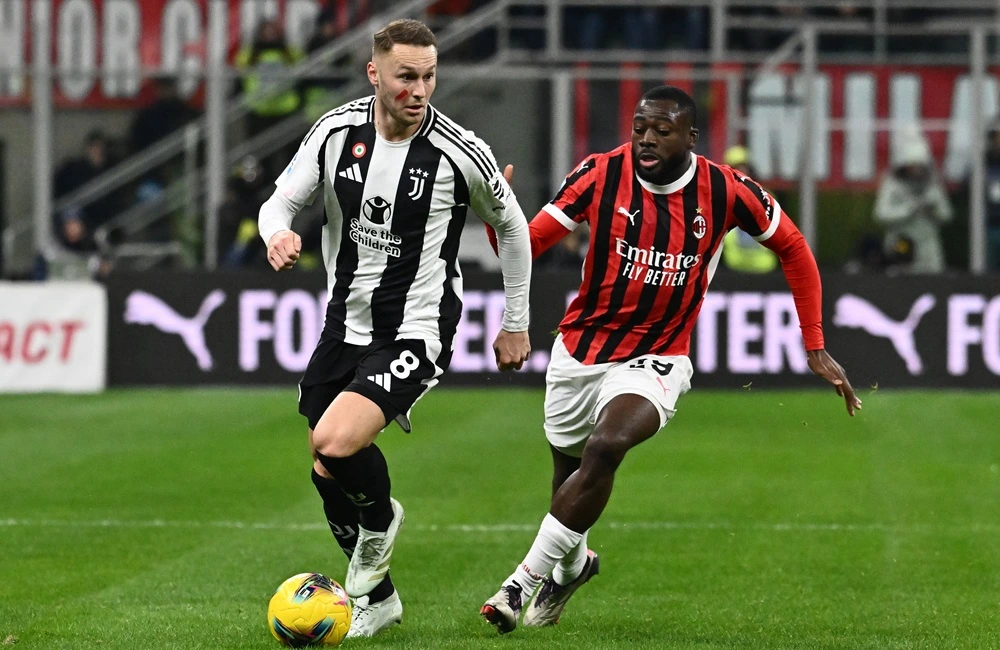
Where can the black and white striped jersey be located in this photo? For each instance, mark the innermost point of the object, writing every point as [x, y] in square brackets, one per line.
[394, 214]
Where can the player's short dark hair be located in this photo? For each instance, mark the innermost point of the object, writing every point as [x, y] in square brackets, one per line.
[673, 94]
[405, 31]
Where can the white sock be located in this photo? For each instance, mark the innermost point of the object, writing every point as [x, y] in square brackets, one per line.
[551, 544]
[571, 566]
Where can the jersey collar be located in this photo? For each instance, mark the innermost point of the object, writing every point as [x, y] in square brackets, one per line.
[670, 188]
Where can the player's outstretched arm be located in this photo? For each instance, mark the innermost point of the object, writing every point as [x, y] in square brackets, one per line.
[799, 266]
[821, 363]
[283, 250]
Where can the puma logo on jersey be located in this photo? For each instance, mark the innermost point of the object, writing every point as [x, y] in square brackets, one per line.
[854, 312]
[383, 380]
[630, 215]
[352, 173]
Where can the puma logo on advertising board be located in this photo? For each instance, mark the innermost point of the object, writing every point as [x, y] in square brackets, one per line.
[142, 308]
[854, 312]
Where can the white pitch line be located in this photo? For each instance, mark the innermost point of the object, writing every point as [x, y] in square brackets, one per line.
[778, 527]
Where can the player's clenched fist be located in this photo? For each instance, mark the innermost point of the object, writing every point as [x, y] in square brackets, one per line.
[512, 349]
[283, 250]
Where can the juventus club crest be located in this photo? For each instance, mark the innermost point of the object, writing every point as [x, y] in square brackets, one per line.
[418, 176]
[377, 210]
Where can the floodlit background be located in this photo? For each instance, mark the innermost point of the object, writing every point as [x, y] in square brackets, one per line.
[153, 469]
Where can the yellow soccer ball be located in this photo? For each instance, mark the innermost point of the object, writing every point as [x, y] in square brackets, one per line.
[309, 609]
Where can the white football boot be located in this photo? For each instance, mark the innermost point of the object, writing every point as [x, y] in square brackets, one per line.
[370, 561]
[369, 619]
[501, 611]
[550, 599]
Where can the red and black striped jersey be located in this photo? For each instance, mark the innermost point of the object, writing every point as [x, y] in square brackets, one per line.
[654, 249]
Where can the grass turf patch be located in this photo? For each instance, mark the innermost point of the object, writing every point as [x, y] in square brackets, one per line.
[165, 519]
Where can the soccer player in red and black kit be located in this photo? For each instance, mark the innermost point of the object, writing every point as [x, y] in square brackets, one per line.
[658, 214]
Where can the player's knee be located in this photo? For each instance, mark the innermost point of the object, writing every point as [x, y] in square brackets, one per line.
[334, 441]
[319, 469]
[605, 452]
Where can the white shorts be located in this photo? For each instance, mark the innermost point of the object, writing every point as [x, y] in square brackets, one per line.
[576, 393]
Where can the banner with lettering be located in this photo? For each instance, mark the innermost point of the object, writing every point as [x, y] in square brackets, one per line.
[260, 328]
[861, 115]
[53, 337]
[99, 47]
[860, 112]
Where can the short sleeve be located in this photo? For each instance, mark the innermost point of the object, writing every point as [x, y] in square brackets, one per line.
[572, 202]
[301, 179]
[755, 211]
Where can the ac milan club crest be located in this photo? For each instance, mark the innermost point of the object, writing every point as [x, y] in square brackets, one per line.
[699, 226]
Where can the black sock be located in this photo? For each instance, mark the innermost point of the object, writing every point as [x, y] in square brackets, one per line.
[342, 515]
[364, 478]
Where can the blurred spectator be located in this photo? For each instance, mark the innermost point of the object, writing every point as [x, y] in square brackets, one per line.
[246, 191]
[320, 95]
[870, 257]
[167, 113]
[265, 66]
[912, 205]
[847, 10]
[74, 226]
[239, 242]
[993, 198]
[641, 29]
[593, 28]
[583, 27]
[484, 46]
[686, 27]
[740, 251]
[754, 37]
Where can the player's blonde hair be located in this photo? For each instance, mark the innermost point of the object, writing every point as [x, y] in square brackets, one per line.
[405, 31]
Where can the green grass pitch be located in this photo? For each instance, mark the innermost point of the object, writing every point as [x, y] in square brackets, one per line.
[757, 519]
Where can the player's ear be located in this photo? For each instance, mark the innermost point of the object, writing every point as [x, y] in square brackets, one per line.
[692, 138]
[373, 73]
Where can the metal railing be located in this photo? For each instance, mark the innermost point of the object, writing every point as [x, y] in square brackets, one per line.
[272, 140]
[180, 143]
[201, 187]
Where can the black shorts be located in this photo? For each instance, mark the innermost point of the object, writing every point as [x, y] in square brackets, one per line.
[393, 374]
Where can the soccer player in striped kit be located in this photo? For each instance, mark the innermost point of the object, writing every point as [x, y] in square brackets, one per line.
[396, 176]
[658, 214]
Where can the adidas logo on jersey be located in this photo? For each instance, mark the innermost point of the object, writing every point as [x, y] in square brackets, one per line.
[352, 173]
[382, 381]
